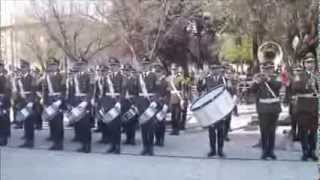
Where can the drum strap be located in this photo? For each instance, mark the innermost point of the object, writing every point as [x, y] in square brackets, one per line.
[100, 85]
[224, 81]
[22, 92]
[143, 86]
[270, 90]
[175, 90]
[51, 91]
[76, 81]
[111, 88]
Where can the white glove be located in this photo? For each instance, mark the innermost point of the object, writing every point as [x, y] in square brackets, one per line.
[93, 101]
[30, 105]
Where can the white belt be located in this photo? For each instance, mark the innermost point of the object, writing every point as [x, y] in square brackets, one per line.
[149, 94]
[129, 96]
[112, 94]
[175, 92]
[269, 100]
[26, 92]
[309, 95]
[55, 94]
[81, 94]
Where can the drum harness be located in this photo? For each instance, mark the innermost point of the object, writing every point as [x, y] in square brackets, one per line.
[152, 108]
[132, 111]
[27, 110]
[115, 111]
[315, 93]
[176, 91]
[52, 110]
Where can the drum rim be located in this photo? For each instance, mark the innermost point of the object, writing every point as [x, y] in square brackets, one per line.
[210, 100]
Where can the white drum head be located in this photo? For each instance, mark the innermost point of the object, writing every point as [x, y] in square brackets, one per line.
[207, 97]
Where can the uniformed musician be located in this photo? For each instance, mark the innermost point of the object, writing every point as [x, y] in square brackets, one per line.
[186, 95]
[295, 84]
[26, 87]
[79, 97]
[54, 98]
[163, 98]
[130, 114]
[147, 107]
[216, 130]
[307, 109]
[266, 86]
[227, 81]
[111, 112]
[176, 99]
[38, 107]
[99, 96]
[4, 106]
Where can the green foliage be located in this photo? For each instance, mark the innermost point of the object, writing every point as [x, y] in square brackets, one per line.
[236, 53]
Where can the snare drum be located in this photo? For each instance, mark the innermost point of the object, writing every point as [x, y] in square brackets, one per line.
[213, 106]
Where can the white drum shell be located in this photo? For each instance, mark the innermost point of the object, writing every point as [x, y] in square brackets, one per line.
[215, 110]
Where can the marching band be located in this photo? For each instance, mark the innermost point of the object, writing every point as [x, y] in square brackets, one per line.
[120, 99]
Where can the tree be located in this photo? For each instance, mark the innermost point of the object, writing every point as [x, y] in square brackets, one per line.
[79, 38]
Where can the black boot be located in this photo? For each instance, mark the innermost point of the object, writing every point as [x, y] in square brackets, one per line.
[117, 149]
[313, 156]
[272, 156]
[82, 148]
[221, 154]
[87, 148]
[175, 133]
[144, 152]
[161, 142]
[111, 149]
[27, 144]
[304, 156]
[56, 147]
[264, 156]
[227, 138]
[212, 153]
[150, 151]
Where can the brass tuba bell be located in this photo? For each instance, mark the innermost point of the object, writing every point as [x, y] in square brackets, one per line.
[270, 51]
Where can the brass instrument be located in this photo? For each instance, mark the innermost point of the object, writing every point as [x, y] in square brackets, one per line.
[270, 52]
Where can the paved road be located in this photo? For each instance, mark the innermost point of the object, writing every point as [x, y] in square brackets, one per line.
[183, 157]
[44, 165]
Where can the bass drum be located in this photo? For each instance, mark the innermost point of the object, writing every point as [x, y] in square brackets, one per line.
[213, 106]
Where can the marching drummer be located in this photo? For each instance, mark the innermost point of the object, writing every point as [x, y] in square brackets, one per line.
[307, 107]
[226, 77]
[99, 96]
[4, 106]
[54, 93]
[112, 106]
[27, 86]
[130, 116]
[163, 98]
[216, 130]
[147, 107]
[80, 93]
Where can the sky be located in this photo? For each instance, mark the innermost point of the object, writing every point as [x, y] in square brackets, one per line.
[11, 8]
